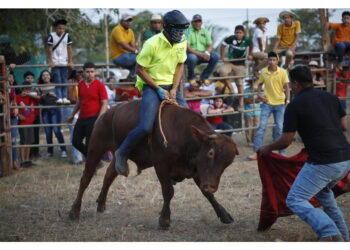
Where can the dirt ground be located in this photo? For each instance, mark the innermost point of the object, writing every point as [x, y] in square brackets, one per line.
[34, 206]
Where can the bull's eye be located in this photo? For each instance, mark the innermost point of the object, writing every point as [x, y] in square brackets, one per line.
[211, 153]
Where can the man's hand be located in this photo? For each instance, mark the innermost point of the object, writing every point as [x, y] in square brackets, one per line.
[52, 65]
[250, 57]
[12, 66]
[173, 94]
[205, 56]
[70, 119]
[70, 65]
[264, 150]
[21, 117]
[225, 59]
[124, 95]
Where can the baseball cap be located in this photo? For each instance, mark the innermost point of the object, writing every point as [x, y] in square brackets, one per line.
[197, 17]
[313, 63]
[156, 17]
[126, 17]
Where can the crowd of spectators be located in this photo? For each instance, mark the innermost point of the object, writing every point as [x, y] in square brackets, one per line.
[234, 51]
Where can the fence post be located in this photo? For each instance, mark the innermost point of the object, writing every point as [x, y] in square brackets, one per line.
[6, 148]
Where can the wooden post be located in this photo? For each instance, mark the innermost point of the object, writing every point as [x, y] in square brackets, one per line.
[106, 42]
[6, 148]
[326, 42]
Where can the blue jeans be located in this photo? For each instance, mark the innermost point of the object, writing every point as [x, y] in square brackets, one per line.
[14, 133]
[127, 60]
[266, 111]
[60, 75]
[52, 116]
[193, 60]
[318, 180]
[340, 49]
[223, 126]
[150, 103]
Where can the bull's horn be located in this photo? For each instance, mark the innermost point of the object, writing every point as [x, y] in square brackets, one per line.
[213, 136]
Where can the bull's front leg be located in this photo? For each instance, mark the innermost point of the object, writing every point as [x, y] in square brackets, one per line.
[168, 193]
[220, 211]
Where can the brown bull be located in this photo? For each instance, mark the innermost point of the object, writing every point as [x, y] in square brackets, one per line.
[193, 150]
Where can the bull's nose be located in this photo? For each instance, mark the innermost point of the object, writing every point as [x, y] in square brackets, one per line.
[209, 188]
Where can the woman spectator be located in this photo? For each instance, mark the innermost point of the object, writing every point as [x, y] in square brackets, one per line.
[50, 115]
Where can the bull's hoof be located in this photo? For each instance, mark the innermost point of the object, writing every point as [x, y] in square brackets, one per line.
[101, 208]
[164, 224]
[226, 218]
[73, 215]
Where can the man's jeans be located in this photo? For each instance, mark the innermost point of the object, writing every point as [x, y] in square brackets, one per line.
[266, 111]
[60, 75]
[193, 60]
[52, 116]
[127, 60]
[340, 49]
[150, 103]
[318, 180]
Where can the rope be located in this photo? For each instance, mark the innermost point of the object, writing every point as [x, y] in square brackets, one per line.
[164, 102]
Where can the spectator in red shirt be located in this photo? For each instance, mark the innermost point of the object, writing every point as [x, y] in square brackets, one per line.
[26, 117]
[342, 74]
[92, 102]
[217, 122]
[127, 92]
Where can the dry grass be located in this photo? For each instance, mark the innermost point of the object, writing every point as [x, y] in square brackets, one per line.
[34, 205]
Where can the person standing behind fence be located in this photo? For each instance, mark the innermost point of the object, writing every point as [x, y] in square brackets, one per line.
[156, 27]
[123, 50]
[50, 115]
[60, 58]
[75, 77]
[287, 36]
[29, 77]
[200, 50]
[238, 45]
[91, 103]
[26, 116]
[342, 74]
[276, 90]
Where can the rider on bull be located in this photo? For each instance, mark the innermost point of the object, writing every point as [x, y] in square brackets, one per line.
[159, 69]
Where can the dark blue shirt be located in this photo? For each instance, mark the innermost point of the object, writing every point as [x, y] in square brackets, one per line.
[316, 114]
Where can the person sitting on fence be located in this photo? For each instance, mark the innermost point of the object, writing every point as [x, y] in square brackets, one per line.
[92, 103]
[200, 50]
[26, 116]
[156, 27]
[34, 93]
[125, 92]
[343, 74]
[217, 122]
[193, 90]
[251, 119]
[123, 48]
[276, 96]
[341, 40]
[316, 76]
[60, 58]
[238, 45]
[260, 44]
[50, 115]
[75, 76]
[287, 36]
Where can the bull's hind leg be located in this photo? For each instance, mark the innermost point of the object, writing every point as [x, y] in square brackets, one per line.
[110, 175]
[93, 158]
[168, 193]
[220, 211]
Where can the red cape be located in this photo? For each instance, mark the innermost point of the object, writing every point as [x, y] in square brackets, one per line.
[277, 174]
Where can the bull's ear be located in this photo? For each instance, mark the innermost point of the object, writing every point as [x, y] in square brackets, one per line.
[199, 134]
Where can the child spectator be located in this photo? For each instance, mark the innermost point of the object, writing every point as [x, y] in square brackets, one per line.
[342, 74]
[341, 41]
[125, 92]
[287, 36]
[111, 89]
[75, 77]
[193, 90]
[260, 43]
[251, 119]
[50, 115]
[29, 77]
[238, 45]
[217, 122]
[60, 56]
[26, 116]
[316, 76]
